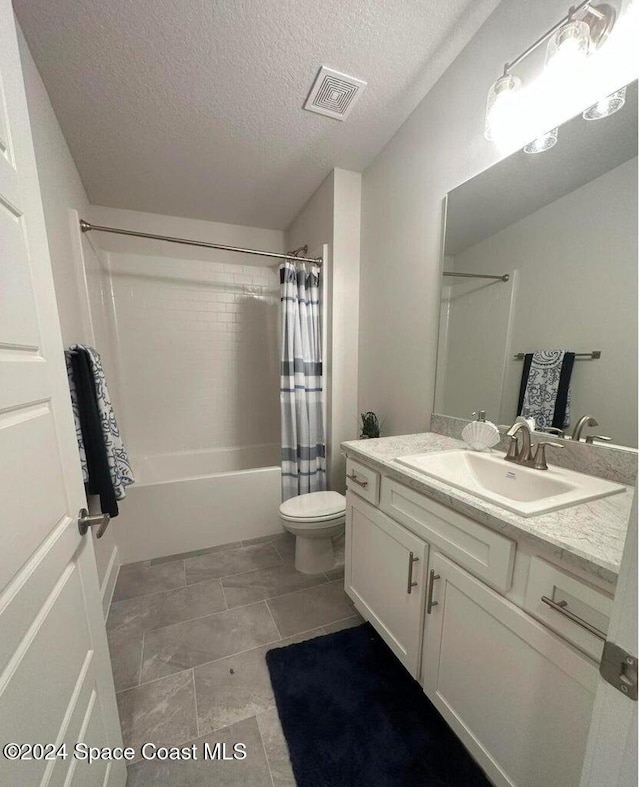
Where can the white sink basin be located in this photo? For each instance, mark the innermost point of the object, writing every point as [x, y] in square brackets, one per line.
[523, 490]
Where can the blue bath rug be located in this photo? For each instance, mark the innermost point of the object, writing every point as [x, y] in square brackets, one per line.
[354, 717]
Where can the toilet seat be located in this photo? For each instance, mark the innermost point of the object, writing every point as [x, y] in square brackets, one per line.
[314, 507]
[315, 522]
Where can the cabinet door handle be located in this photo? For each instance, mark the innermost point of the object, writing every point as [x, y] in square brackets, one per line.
[561, 607]
[353, 477]
[410, 582]
[430, 602]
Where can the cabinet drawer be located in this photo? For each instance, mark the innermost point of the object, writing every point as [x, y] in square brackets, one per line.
[576, 597]
[363, 481]
[482, 551]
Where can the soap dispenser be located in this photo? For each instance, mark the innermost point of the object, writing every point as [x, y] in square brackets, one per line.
[481, 435]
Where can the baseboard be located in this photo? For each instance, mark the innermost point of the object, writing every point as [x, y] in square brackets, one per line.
[109, 581]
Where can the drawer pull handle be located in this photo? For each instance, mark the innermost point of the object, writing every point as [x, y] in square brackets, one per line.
[410, 582]
[430, 602]
[353, 477]
[561, 607]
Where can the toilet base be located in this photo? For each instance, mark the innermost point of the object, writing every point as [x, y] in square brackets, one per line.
[314, 555]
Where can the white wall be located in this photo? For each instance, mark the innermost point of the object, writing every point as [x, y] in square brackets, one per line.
[332, 217]
[345, 317]
[440, 146]
[62, 192]
[577, 288]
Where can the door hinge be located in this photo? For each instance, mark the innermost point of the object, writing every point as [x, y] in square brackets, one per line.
[620, 669]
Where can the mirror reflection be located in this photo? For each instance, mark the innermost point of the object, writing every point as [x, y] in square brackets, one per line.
[551, 333]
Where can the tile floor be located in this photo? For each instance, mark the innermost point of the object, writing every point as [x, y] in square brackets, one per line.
[188, 635]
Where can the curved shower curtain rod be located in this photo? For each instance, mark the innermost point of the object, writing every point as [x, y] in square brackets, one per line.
[85, 226]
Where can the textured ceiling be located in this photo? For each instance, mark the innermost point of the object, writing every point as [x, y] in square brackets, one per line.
[195, 108]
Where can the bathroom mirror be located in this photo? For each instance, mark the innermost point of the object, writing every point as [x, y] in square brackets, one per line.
[562, 225]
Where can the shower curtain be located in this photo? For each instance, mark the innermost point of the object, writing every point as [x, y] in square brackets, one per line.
[303, 449]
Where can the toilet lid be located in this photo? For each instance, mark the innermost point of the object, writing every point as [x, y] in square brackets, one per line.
[314, 505]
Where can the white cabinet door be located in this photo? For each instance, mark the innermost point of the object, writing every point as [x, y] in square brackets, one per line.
[517, 695]
[385, 575]
[55, 678]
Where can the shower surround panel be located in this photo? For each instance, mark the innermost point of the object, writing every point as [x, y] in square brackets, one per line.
[198, 348]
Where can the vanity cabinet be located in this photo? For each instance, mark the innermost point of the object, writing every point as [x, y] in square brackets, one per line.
[385, 569]
[516, 694]
[460, 607]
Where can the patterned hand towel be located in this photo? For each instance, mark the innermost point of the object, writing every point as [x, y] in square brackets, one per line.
[118, 460]
[544, 389]
[95, 453]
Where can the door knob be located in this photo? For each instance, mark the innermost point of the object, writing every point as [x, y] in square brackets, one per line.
[87, 520]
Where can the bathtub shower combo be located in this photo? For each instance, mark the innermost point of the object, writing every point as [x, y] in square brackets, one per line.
[204, 429]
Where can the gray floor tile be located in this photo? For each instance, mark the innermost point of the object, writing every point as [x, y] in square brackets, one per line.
[174, 648]
[276, 748]
[267, 583]
[126, 656]
[162, 712]
[231, 689]
[335, 573]
[303, 636]
[139, 579]
[195, 553]
[253, 771]
[347, 623]
[145, 613]
[230, 561]
[309, 608]
[287, 548]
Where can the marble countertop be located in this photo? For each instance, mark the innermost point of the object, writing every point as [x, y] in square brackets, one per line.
[590, 535]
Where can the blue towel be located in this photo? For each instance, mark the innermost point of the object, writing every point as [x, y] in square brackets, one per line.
[545, 387]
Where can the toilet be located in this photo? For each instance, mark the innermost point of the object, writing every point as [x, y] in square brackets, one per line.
[314, 519]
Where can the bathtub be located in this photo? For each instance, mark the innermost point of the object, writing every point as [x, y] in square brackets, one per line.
[193, 500]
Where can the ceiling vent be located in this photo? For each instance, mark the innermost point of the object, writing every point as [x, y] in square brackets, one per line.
[334, 94]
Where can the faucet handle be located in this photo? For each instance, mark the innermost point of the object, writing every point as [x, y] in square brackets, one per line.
[540, 458]
[591, 437]
[552, 430]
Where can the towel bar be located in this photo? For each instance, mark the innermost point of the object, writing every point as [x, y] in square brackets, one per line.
[593, 355]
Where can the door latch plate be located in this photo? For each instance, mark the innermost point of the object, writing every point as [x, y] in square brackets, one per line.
[620, 669]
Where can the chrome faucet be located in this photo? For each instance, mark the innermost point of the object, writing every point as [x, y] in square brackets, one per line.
[524, 456]
[586, 420]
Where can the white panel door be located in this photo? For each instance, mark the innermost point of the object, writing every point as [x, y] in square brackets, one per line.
[612, 748]
[518, 697]
[385, 575]
[55, 679]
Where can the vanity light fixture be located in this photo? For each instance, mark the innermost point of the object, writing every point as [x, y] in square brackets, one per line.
[543, 142]
[606, 106]
[568, 47]
[499, 98]
[569, 43]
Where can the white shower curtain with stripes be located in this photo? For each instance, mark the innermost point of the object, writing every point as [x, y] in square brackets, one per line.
[303, 447]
